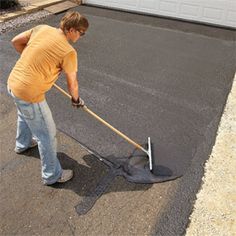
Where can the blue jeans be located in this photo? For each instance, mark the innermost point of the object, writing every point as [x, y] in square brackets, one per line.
[35, 120]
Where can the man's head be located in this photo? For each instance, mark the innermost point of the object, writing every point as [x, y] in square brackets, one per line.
[73, 25]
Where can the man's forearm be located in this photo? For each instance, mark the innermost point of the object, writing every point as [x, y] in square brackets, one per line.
[73, 88]
[20, 42]
[74, 92]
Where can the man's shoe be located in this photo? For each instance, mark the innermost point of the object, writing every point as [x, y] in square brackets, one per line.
[21, 150]
[66, 175]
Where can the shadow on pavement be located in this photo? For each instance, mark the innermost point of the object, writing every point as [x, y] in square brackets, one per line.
[90, 181]
[88, 176]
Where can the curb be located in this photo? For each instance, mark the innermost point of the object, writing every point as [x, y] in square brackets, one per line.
[32, 8]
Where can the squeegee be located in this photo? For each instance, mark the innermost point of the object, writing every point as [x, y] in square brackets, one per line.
[85, 108]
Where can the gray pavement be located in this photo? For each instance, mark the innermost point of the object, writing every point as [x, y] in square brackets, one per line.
[148, 77]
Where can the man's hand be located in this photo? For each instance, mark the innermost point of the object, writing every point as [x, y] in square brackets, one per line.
[77, 103]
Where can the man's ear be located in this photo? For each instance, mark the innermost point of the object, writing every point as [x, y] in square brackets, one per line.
[71, 30]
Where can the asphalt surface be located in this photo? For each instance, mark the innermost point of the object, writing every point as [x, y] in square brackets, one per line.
[148, 81]
[148, 77]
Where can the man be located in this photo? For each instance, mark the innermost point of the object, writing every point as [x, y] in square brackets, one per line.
[45, 52]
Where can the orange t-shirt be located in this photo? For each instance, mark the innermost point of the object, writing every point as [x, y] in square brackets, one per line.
[46, 54]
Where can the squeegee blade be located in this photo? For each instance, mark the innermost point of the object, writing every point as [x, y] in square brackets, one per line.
[150, 153]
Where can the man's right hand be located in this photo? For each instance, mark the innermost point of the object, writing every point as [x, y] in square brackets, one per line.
[77, 103]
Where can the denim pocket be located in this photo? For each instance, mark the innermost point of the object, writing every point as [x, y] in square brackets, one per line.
[27, 111]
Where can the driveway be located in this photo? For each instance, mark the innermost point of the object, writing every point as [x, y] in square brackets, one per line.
[148, 77]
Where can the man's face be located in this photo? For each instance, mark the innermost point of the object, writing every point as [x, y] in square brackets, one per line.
[75, 34]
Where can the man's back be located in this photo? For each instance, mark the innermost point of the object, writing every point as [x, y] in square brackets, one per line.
[46, 54]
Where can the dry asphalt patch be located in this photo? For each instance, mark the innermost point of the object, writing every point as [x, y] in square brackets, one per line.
[148, 77]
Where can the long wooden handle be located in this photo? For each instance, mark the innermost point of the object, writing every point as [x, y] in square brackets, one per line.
[85, 108]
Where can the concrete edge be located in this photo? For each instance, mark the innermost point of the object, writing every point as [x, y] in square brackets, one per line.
[33, 8]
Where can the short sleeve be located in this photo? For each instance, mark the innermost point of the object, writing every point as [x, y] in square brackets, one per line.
[69, 63]
[32, 31]
[28, 33]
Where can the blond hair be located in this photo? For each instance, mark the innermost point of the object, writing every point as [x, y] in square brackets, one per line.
[75, 20]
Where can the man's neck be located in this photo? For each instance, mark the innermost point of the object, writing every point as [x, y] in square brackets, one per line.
[64, 34]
